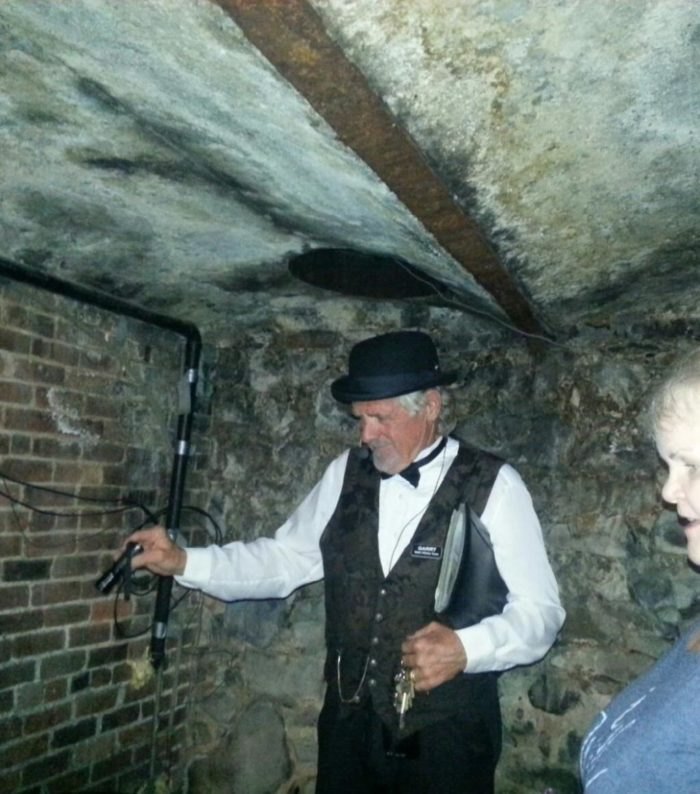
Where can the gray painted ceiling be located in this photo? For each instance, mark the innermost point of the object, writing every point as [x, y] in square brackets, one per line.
[150, 149]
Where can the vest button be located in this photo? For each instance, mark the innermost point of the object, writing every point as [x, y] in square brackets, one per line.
[372, 662]
[375, 640]
[372, 682]
[378, 618]
[382, 592]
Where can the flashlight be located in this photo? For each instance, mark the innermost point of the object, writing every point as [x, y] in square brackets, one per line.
[109, 578]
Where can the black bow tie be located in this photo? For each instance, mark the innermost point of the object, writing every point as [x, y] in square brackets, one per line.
[412, 471]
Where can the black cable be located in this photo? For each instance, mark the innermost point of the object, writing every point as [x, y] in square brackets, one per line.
[128, 504]
[218, 533]
[66, 513]
[121, 587]
[57, 543]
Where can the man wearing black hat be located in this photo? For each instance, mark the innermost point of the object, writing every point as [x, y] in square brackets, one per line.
[436, 580]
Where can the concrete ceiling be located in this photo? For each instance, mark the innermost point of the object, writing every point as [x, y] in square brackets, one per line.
[537, 159]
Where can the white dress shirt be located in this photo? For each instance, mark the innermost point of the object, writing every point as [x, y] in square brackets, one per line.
[274, 567]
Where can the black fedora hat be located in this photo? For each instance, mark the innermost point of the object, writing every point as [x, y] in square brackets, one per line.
[390, 365]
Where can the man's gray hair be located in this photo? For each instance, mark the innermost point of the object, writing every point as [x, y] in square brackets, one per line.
[415, 401]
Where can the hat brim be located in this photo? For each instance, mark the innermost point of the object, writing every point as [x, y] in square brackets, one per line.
[355, 390]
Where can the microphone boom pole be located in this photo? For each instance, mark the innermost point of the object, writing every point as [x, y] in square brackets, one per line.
[177, 486]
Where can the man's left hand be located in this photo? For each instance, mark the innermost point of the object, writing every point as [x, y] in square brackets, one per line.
[434, 654]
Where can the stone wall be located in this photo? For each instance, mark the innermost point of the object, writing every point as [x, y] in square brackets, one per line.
[569, 418]
[87, 402]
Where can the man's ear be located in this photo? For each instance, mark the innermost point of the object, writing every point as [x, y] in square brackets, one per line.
[433, 404]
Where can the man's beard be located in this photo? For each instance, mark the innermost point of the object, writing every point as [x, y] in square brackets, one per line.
[385, 459]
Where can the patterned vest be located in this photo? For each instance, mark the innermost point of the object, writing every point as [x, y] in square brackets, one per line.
[368, 615]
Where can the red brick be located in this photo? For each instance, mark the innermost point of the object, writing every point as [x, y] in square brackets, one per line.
[105, 452]
[55, 690]
[7, 703]
[100, 677]
[20, 751]
[64, 615]
[10, 729]
[73, 474]
[33, 471]
[98, 361]
[13, 392]
[100, 407]
[126, 715]
[62, 664]
[14, 596]
[15, 341]
[20, 444]
[76, 732]
[56, 593]
[105, 770]
[135, 734]
[56, 542]
[103, 611]
[47, 498]
[21, 317]
[56, 448]
[5, 649]
[45, 768]
[56, 352]
[89, 635]
[75, 780]
[88, 589]
[38, 694]
[108, 654]
[116, 520]
[18, 673]
[115, 475]
[46, 718]
[16, 622]
[39, 522]
[74, 565]
[38, 643]
[95, 702]
[140, 647]
[39, 372]
[26, 570]
[10, 780]
[122, 674]
[105, 541]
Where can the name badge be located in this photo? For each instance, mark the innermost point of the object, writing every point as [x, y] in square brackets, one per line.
[424, 552]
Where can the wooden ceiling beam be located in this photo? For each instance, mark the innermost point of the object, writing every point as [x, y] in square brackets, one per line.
[291, 35]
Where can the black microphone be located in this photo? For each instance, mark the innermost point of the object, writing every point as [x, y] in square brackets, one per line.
[109, 578]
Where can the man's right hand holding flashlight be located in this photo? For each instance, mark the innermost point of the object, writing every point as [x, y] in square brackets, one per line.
[160, 554]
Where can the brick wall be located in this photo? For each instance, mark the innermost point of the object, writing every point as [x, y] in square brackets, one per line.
[88, 409]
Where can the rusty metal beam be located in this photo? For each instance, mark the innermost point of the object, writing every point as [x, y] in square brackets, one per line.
[290, 34]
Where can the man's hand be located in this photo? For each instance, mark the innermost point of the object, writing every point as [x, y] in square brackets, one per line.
[160, 555]
[434, 654]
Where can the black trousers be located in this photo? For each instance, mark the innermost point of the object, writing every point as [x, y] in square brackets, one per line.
[457, 755]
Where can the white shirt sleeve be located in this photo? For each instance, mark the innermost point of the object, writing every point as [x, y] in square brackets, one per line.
[270, 567]
[533, 615]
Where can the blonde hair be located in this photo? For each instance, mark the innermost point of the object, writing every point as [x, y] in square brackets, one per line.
[678, 393]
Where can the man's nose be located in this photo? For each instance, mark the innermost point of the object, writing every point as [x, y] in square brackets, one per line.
[368, 431]
[671, 489]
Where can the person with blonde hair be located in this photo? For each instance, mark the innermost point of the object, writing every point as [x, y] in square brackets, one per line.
[647, 740]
